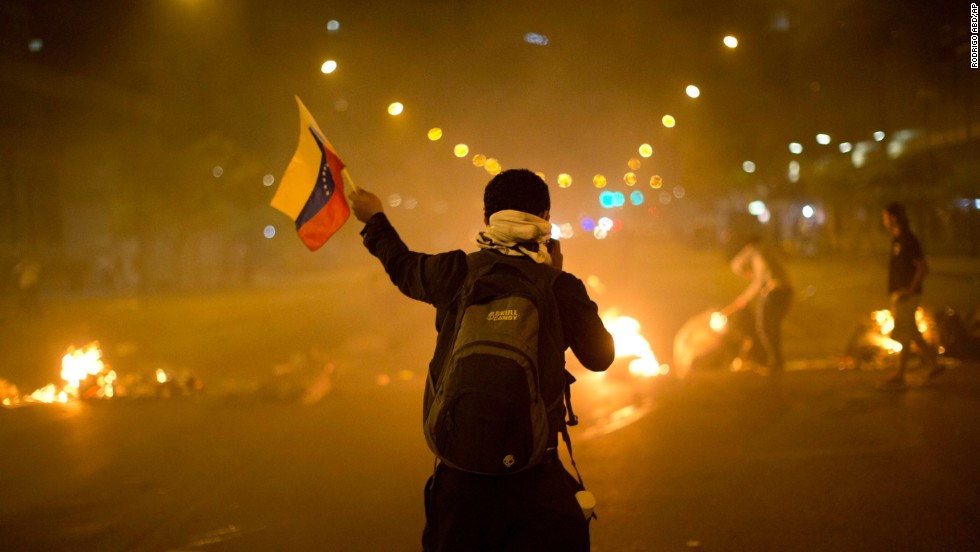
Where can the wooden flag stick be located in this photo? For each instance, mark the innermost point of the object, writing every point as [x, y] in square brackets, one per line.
[348, 180]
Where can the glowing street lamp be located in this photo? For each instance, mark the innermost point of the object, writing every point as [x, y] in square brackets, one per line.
[730, 41]
[328, 67]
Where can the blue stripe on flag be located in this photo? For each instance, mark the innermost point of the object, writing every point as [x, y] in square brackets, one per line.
[322, 191]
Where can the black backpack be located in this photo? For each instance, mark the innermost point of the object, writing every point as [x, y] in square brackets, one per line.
[496, 405]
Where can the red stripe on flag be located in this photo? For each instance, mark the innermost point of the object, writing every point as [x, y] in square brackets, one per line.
[328, 220]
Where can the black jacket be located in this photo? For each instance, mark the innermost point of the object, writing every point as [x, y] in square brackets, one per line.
[436, 279]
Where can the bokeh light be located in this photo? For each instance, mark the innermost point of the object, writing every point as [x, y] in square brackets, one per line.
[492, 166]
[730, 41]
[629, 178]
[328, 67]
[479, 160]
[879, 135]
[595, 283]
[268, 180]
[540, 175]
[394, 200]
[692, 91]
[633, 164]
[748, 166]
[434, 133]
[636, 197]
[679, 192]
[606, 200]
[656, 181]
[564, 180]
[333, 25]
[823, 139]
[461, 150]
[396, 108]
[217, 171]
[587, 224]
[845, 147]
[807, 211]
[567, 231]
[35, 45]
[599, 181]
[756, 207]
[269, 232]
[646, 150]
[668, 121]
[795, 148]
[536, 39]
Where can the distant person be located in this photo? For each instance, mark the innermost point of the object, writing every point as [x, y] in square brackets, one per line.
[770, 292]
[906, 272]
[533, 509]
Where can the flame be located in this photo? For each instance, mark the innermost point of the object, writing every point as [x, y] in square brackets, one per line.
[886, 324]
[79, 364]
[76, 367]
[718, 321]
[629, 343]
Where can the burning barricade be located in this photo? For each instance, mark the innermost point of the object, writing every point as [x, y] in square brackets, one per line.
[870, 344]
[85, 375]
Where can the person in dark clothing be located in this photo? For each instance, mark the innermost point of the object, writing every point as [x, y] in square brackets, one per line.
[906, 272]
[534, 509]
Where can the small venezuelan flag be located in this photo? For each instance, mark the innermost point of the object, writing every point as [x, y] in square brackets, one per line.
[311, 191]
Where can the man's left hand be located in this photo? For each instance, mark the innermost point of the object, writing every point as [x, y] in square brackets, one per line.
[364, 204]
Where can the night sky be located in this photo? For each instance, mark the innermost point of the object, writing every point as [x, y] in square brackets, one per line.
[189, 79]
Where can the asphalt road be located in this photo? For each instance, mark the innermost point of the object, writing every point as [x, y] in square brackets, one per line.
[813, 460]
[818, 459]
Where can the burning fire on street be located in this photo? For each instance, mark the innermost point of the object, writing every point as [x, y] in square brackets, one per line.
[630, 343]
[871, 344]
[85, 375]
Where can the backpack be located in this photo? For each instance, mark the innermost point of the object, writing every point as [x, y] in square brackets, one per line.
[496, 403]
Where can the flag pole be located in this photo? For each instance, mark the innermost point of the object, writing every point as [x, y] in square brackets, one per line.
[348, 180]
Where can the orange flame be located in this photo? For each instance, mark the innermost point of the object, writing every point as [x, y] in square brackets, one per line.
[76, 367]
[630, 343]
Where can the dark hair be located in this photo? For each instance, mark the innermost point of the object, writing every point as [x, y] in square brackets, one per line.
[897, 210]
[518, 189]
